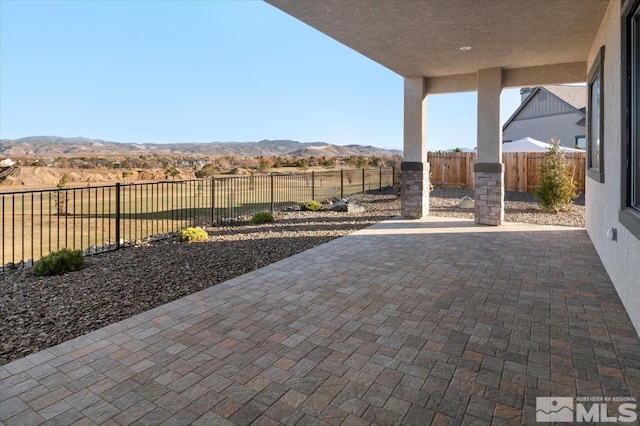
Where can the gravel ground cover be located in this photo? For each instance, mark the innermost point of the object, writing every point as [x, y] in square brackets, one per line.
[519, 207]
[39, 312]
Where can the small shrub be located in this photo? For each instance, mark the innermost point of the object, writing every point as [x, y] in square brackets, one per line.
[311, 206]
[59, 262]
[556, 188]
[207, 171]
[263, 217]
[192, 235]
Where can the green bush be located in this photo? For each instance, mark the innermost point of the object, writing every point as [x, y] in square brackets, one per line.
[263, 217]
[192, 235]
[207, 171]
[311, 206]
[59, 262]
[556, 188]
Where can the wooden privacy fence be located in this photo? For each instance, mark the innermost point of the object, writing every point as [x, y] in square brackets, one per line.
[521, 169]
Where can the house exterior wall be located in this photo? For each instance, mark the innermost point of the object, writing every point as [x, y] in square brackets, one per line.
[544, 104]
[561, 127]
[621, 258]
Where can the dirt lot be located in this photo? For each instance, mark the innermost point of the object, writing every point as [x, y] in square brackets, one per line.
[28, 177]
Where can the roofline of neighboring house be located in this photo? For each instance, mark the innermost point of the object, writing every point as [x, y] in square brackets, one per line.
[528, 99]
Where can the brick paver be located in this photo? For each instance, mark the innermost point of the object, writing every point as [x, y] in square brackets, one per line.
[406, 322]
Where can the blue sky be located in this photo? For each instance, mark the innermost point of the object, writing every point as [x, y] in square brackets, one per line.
[201, 71]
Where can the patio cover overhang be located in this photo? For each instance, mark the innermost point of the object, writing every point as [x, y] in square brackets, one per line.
[446, 46]
[423, 38]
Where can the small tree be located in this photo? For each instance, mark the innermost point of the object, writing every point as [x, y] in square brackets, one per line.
[173, 172]
[61, 196]
[278, 162]
[330, 163]
[361, 162]
[207, 171]
[303, 164]
[556, 188]
[265, 164]
[349, 174]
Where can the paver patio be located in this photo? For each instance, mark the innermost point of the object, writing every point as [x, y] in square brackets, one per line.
[406, 322]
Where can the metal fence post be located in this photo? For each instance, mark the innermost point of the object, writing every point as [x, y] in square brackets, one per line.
[271, 183]
[363, 179]
[380, 189]
[117, 216]
[341, 183]
[313, 185]
[393, 175]
[232, 198]
[213, 201]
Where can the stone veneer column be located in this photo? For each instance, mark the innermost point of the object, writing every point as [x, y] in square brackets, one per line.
[489, 170]
[414, 170]
[414, 189]
[489, 193]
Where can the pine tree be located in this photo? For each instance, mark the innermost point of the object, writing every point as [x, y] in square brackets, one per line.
[61, 196]
[556, 188]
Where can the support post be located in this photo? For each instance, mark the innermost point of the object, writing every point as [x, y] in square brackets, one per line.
[341, 183]
[489, 170]
[313, 185]
[414, 170]
[363, 180]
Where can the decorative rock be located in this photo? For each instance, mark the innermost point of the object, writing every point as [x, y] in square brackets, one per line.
[466, 203]
[347, 206]
[355, 207]
[340, 206]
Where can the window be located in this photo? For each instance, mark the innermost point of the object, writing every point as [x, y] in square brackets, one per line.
[581, 142]
[630, 155]
[595, 119]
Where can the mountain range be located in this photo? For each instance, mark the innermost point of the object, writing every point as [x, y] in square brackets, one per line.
[54, 146]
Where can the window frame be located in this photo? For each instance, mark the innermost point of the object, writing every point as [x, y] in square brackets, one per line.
[629, 215]
[585, 141]
[596, 171]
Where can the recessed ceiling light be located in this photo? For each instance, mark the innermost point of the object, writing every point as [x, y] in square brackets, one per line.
[465, 48]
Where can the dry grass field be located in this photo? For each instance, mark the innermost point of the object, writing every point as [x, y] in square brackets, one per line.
[37, 222]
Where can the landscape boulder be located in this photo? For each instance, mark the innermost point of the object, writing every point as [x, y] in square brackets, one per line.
[466, 203]
[347, 206]
[339, 206]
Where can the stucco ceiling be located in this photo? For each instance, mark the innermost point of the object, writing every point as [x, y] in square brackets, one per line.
[423, 38]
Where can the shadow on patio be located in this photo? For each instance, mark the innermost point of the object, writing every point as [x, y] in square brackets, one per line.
[405, 322]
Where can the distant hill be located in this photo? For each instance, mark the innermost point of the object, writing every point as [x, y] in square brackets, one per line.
[54, 146]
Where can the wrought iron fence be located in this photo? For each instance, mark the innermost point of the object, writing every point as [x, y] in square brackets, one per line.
[103, 218]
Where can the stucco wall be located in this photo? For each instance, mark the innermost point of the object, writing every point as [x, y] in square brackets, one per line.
[561, 127]
[621, 258]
